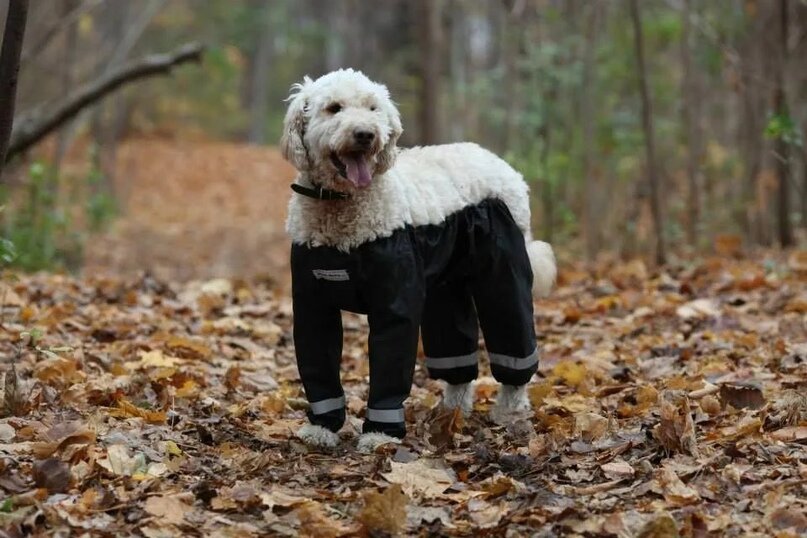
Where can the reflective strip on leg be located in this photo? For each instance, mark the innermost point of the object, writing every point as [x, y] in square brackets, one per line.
[514, 363]
[325, 406]
[385, 415]
[445, 363]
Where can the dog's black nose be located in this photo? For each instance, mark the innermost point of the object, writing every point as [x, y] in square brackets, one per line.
[364, 138]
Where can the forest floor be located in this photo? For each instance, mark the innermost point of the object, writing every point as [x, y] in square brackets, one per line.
[668, 402]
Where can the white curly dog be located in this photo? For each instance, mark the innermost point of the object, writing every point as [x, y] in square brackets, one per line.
[357, 191]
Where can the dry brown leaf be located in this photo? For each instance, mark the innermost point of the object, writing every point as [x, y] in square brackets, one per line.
[315, 523]
[170, 509]
[660, 526]
[618, 470]
[788, 518]
[699, 308]
[60, 436]
[742, 395]
[420, 478]
[384, 512]
[790, 433]
[675, 492]
[676, 430]
[590, 426]
[126, 409]
[52, 474]
[484, 514]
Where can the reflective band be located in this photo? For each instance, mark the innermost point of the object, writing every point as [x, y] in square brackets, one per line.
[385, 415]
[452, 362]
[514, 363]
[325, 406]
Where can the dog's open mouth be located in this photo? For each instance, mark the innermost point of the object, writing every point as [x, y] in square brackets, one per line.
[353, 166]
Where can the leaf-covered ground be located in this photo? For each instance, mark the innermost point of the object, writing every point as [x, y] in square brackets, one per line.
[667, 402]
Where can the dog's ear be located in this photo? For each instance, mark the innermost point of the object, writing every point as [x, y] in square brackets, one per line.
[386, 158]
[291, 142]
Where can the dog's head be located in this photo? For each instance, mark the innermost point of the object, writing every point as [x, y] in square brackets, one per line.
[341, 128]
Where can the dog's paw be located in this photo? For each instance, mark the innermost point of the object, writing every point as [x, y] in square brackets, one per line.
[369, 442]
[317, 436]
[459, 397]
[511, 402]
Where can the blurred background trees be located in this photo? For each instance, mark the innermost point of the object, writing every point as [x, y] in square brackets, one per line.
[704, 132]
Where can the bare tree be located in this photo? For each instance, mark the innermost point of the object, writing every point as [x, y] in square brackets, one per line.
[690, 118]
[259, 83]
[781, 149]
[647, 125]
[430, 45]
[591, 195]
[13, 36]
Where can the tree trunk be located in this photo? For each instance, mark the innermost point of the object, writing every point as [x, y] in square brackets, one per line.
[260, 79]
[430, 41]
[647, 125]
[10, 52]
[690, 117]
[781, 149]
[65, 133]
[591, 220]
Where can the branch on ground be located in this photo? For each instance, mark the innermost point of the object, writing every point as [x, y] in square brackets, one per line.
[36, 125]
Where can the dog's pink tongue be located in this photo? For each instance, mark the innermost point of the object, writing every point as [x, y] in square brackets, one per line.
[358, 170]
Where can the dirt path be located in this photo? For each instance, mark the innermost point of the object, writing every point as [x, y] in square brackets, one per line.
[197, 210]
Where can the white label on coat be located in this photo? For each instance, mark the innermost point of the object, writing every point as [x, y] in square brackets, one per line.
[334, 275]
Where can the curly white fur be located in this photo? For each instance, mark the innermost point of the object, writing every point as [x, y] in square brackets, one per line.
[459, 397]
[369, 442]
[511, 401]
[417, 186]
[317, 436]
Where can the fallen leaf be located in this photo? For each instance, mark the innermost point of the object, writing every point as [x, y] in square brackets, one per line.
[170, 509]
[126, 409]
[742, 395]
[618, 470]
[788, 518]
[315, 523]
[421, 478]
[384, 512]
[676, 430]
[699, 308]
[790, 434]
[119, 462]
[484, 514]
[590, 426]
[660, 526]
[60, 436]
[52, 474]
[675, 492]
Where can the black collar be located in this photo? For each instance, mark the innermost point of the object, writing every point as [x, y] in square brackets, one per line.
[319, 193]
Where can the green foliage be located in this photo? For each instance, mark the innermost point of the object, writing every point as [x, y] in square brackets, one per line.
[45, 230]
[783, 127]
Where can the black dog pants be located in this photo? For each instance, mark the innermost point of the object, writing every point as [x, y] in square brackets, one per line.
[494, 291]
[441, 278]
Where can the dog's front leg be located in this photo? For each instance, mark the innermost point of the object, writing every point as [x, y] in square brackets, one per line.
[393, 349]
[318, 346]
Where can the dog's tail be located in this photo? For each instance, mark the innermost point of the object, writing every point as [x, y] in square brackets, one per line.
[544, 269]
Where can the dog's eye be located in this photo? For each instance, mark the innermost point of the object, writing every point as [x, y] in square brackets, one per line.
[334, 108]
[373, 108]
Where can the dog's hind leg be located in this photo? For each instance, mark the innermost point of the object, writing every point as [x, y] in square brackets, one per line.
[450, 334]
[502, 292]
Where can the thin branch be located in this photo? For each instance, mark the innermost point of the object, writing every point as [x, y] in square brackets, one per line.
[34, 126]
